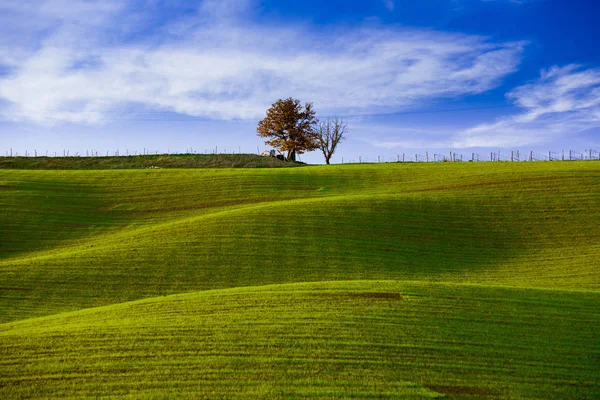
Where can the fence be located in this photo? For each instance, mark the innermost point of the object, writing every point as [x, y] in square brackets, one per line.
[117, 152]
[495, 156]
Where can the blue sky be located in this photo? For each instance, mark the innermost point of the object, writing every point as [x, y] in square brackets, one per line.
[408, 77]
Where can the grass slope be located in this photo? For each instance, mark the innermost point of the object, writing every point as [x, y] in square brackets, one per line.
[128, 235]
[362, 339]
[144, 162]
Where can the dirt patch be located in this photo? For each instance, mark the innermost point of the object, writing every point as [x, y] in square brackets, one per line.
[15, 289]
[462, 391]
[7, 187]
[369, 295]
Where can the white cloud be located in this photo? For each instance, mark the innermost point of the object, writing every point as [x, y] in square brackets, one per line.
[216, 65]
[76, 11]
[564, 101]
[383, 134]
[389, 4]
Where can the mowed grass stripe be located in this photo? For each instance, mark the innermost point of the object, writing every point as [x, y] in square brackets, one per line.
[362, 339]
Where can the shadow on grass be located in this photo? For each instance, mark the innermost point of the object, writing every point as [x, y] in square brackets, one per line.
[369, 238]
[348, 238]
[42, 214]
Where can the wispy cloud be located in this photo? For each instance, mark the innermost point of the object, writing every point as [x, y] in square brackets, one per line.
[392, 137]
[217, 64]
[389, 4]
[563, 101]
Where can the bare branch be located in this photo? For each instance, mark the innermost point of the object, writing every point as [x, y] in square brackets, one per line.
[330, 133]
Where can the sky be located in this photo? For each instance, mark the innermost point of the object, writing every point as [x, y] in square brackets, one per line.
[407, 77]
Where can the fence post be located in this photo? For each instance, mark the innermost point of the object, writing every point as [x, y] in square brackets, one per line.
[378, 159]
[563, 154]
[403, 157]
[426, 156]
[570, 155]
[359, 160]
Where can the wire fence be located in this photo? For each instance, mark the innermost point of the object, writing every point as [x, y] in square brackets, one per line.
[121, 152]
[494, 156]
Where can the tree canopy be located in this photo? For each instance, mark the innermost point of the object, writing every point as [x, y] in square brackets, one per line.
[290, 127]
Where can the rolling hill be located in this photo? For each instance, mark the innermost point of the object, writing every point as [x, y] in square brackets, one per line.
[369, 281]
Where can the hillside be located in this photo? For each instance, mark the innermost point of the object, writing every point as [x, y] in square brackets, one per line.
[144, 162]
[471, 280]
[156, 232]
[361, 339]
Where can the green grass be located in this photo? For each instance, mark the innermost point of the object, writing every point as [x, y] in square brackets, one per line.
[494, 270]
[144, 162]
[362, 339]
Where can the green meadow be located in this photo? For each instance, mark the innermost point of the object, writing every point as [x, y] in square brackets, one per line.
[416, 281]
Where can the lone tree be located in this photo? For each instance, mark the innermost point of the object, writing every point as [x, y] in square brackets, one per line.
[330, 134]
[290, 127]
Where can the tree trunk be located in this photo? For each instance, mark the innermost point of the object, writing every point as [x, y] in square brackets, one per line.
[291, 155]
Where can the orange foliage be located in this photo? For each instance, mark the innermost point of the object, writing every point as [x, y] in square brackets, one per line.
[290, 127]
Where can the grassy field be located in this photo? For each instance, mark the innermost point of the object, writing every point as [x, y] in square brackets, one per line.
[367, 281]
